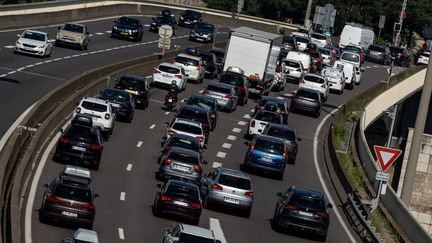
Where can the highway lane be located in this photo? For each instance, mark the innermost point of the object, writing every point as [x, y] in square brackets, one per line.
[133, 215]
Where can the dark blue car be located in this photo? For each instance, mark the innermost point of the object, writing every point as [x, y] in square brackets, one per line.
[266, 154]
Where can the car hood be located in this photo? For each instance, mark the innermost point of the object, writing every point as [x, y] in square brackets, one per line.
[128, 27]
[31, 41]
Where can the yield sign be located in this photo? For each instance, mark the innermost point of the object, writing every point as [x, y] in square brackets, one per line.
[386, 156]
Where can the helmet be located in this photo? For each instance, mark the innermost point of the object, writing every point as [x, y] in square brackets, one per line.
[174, 82]
[271, 106]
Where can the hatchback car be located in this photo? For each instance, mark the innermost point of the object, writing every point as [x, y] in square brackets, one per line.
[240, 84]
[193, 66]
[282, 106]
[378, 53]
[121, 102]
[127, 28]
[212, 69]
[315, 81]
[34, 43]
[266, 154]
[301, 42]
[260, 120]
[320, 40]
[335, 78]
[189, 18]
[189, 233]
[206, 102]
[203, 32]
[304, 210]
[80, 143]
[138, 86]
[334, 50]
[328, 56]
[288, 134]
[293, 70]
[178, 198]
[182, 141]
[402, 56]
[186, 127]
[198, 114]
[166, 73]
[224, 94]
[101, 111]
[227, 188]
[69, 198]
[74, 35]
[308, 100]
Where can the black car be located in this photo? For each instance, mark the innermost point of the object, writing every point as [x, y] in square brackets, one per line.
[288, 44]
[121, 102]
[189, 18]
[302, 209]
[220, 54]
[69, 199]
[198, 114]
[288, 134]
[128, 28]
[182, 141]
[206, 102]
[160, 20]
[178, 198]
[209, 59]
[282, 106]
[240, 84]
[80, 143]
[137, 86]
[402, 56]
[307, 100]
[203, 32]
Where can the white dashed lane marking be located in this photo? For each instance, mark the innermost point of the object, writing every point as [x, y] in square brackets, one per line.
[247, 116]
[129, 167]
[231, 137]
[121, 233]
[152, 126]
[9, 47]
[166, 113]
[221, 155]
[139, 144]
[99, 33]
[236, 130]
[108, 31]
[226, 145]
[216, 165]
[122, 196]
[241, 123]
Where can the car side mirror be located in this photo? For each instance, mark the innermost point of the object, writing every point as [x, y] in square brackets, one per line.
[96, 195]
[115, 21]
[61, 130]
[279, 194]
[329, 205]
[362, 69]
[18, 35]
[59, 27]
[46, 185]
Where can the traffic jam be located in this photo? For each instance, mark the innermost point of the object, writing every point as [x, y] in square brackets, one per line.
[228, 78]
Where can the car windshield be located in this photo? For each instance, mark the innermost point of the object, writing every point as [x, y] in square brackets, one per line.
[78, 133]
[73, 28]
[73, 193]
[318, 36]
[128, 22]
[234, 181]
[291, 64]
[192, 115]
[113, 94]
[186, 61]
[314, 79]
[219, 89]
[232, 79]
[132, 83]
[206, 56]
[288, 39]
[179, 126]
[183, 157]
[302, 39]
[315, 54]
[168, 69]
[94, 106]
[187, 238]
[305, 31]
[307, 94]
[184, 143]
[307, 202]
[376, 48]
[33, 36]
[269, 146]
[204, 26]
[267, 116]
[189, 13]
[286, 134]
[351, 57]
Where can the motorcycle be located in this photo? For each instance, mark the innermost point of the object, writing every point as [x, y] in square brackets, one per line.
[170, 102]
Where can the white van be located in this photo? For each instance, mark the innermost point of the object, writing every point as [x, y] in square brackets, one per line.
[349, 72]
[302, 57]
[357, 35]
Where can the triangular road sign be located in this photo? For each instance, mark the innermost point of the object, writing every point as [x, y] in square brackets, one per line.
[386, 156]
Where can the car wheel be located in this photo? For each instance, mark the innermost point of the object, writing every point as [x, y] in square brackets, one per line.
[96, 166]
[323, 238]
[206, 203]
[282, 87]
[274, 223]
[247, 213]
[317, 114]
[280, 176]
[42, 216]
[155, 210]
[291, 161]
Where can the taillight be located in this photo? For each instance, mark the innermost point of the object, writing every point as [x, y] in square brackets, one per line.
[213, 115]
[53, 199]
[322, 214]
[227, 96]
[167, 161]
[302, 81]
[197, 168]
[205, 91]
[317, 59]
[171, 132]
[196, 205]
[217, 187]
[107, 116]
[259, 86]
[290, 207]
[330, 58]
[179, 76]
[200, 138]
[284, 152]
[64, 140]
[156, 71]
[142, 91]
[90, 206]
[253, 123]
[165, 198]
[167, 147]
[96, 146]
[251, 149]
[78, 110]
[249, 194]
[116, 86]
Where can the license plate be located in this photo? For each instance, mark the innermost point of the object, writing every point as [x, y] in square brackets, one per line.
[180, 203]
[305, 213]
[79, 148]
[132, 91]
[69, 214]
[124, 33]
[200, 39]
[115, 105]
[182, 168]
[169, 100]
[266, 159]
[231, 200]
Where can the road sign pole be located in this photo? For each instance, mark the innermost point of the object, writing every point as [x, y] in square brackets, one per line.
[214, 36]
[379, 33]
[393, 117]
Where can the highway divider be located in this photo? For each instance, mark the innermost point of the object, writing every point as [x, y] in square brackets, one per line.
[22, 151]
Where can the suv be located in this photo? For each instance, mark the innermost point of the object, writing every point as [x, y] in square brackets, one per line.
[401, 56]
[227, 188]
[317, 82]
[80, 143]
[205, 102]
[189, 233]
[189, 18]
[192, 65]
[202, 32]
[138, 86]
[186, 127]
[128, 28]
[69, 198]
[71, 34]
[302, 209]
[240, 84]
[224, 94]
[378, 53]
[198, 114]
[101, 112]
[308, 100]
[166, 73]
[121, 101]
[286, 133]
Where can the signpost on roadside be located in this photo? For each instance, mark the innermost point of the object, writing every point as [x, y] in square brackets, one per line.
[165, 33]
[381, 24]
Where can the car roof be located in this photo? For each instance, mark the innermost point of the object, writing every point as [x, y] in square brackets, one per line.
[197, 58]
[198, 231]
[232, 172]
[314, 75]
[195, 108]
[86, 235]
[274, 99]
[170, 65]
[310, 193]
[95, 100]
[36, 31]
[72, 23]
[187, 121]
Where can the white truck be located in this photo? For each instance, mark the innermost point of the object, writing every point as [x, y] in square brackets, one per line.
[354, 34]
[257, 53]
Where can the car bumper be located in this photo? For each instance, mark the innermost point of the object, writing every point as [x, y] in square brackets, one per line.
[201, 38]
[179, 211]
[219, 199]
[54, 214]
[260, 167]
[68, 43]
[124, 35]
[303, 225]
[305, 107]
[29, 50]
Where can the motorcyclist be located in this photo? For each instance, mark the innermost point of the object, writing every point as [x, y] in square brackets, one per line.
[173, 91]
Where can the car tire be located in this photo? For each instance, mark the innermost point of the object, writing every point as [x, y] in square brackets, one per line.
[42, 217]
[247, 213]
[96, 166]
[155, 210]
[322, 238]
[317, 114]
[206, 203]
[280, 176]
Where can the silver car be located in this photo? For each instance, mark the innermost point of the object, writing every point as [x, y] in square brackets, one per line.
[224, 94]
[34, 42]
[227, 188]
[74, 35]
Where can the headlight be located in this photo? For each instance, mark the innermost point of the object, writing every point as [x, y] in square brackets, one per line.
[130, 31]
[115, 27]
[134, 31]
[181, 17]
[42, 46]
[195, 20]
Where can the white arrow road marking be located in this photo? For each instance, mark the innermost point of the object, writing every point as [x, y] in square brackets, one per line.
[121, 233]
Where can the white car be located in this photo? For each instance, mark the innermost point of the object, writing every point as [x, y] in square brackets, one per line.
[101, 112]
[302, 42]
[335, 78]
[165, 73]
[327, 56]
[320, 40]
[83, 235]
[349, 72]
[260, 120]
[192, 65]
[358, 74]
[35, 43]
[188, 233]
[292, 69]
[185, 127]
[317, 82]
[423, 58]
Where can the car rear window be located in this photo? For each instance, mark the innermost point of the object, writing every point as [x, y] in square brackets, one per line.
[186, 238]
[314, 79]
[73, 193]
[132, 83]
[183, 157]
[307, 202]
[77, 133]
[114, 94]
[186, 61]
[94, 106]
[219, 89]
[425, 54]
[192, 115]
[206, 56]
[319, 37]
[376, 48]
[202, 102]
[282, 133]
[187, 128]
[280, 105]
[235, 181]
[291, 64]
[271, 117]
[232, 80]
[350, 57]
[168, 69]
[307, 94]
[331, 73]
[184, 143]
[269, 146]
[325, 51]
[183, 191]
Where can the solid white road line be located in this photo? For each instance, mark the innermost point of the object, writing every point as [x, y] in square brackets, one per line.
[231, 137]
[226, 145]
[221, 155]
[320, 176]
[129, 167]
[241, 123]
[139, 144]
[121, 233]
[216, 165]
[217, 230]
[236, 130]
[152, 126]
[122, 196]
